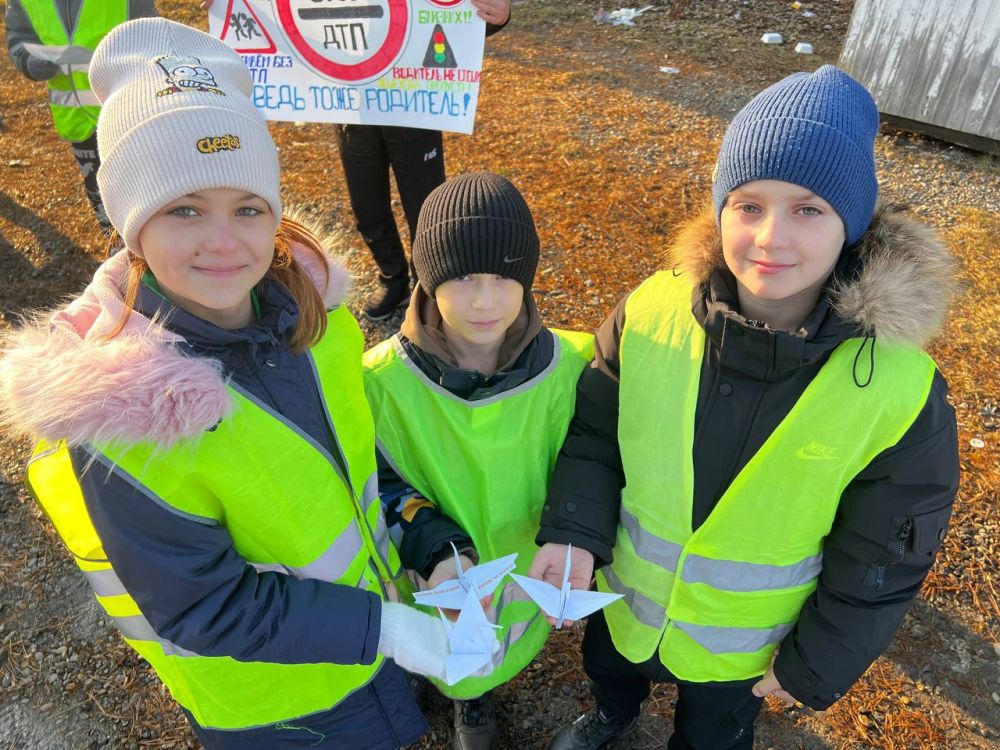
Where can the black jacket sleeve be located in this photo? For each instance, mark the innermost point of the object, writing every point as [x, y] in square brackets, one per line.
[585, 492]
[19, 31]
[424, 533]
[892, 520]
[197, 591]
[492, 28]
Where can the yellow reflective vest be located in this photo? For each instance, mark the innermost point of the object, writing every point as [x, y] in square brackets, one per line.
[486, 464]
[714, 603]
[74, 106]
[287, 505]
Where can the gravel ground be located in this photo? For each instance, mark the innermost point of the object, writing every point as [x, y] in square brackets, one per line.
[611, 154]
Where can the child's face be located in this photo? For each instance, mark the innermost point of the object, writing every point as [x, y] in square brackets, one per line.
[208, 249]
[479, 307]
[779, 239]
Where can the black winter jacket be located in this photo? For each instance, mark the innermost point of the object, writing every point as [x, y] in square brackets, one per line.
[894, 514]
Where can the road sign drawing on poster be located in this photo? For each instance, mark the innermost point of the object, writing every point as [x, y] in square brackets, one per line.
[415, 63]
[248, 34]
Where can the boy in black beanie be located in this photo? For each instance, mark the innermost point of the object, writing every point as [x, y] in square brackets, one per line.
[471, 400]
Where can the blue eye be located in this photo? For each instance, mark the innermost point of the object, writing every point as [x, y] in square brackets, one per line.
[184, 212]
[811, 211]
[249, 211]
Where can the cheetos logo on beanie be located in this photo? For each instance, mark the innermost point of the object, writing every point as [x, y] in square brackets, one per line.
[210, 144]
[187, 74]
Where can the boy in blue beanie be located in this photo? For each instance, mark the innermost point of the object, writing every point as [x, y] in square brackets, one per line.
[762, 459]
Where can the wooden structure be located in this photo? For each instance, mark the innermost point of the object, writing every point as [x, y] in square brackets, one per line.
[933, 66]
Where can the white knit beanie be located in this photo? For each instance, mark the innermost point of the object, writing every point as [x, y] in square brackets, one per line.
[176, 118]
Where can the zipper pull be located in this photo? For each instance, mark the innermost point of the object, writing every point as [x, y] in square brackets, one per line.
[904, 536]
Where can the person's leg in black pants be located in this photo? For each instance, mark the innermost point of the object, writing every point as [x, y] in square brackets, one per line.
[715, 716]
[417, 158]
[616, 683]
[366, 170]
[618, 687]
[89, 161]
[708, 716]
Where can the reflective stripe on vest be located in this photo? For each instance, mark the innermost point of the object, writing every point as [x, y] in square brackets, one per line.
[77, 98]
[720, 574]
[284, 505]
[74, 106]
[714, 603]
[523, 428]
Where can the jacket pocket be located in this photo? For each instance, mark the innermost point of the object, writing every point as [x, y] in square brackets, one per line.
[921, 534]
[929, 531]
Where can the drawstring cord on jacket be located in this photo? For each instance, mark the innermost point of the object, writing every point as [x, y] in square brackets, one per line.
[871, 362]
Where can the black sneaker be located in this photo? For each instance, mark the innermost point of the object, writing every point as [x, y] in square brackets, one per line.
[592, 731]
[393, 293]
[476, 724]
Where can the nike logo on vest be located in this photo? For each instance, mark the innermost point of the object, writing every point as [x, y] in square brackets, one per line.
[816, 452]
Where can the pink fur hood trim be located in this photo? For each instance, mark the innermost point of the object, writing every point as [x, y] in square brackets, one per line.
[60, 378]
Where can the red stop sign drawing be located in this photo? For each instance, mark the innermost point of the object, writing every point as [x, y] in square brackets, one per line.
[347, 40]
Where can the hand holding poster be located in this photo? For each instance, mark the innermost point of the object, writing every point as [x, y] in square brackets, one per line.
[382, 62]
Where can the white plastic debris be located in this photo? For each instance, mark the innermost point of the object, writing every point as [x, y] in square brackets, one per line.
[804, 48]
[670, 70]
[977, 443]
[622, 16]
[772, 37]
[808, 14]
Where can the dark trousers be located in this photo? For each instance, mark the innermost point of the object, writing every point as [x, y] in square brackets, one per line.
[708, 715]
[89, 160]
[417, 160]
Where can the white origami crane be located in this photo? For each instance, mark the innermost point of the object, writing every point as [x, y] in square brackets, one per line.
[564, 603]
[481, 579]
[472, 639]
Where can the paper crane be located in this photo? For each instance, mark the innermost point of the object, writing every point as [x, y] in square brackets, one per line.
[564, 603]
[472, 639]
[481, 579]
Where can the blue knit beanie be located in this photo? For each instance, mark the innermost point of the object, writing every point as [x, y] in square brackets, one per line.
[816, 130]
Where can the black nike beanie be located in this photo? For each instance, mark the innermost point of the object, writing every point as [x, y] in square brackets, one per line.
[475, 223]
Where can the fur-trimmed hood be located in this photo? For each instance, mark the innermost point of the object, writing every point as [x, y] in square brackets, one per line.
[900, 295]
[62, 378]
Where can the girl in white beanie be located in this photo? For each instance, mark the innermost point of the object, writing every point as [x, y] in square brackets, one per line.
[207, 453]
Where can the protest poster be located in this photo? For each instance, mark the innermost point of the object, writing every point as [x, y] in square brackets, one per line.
[380, 62]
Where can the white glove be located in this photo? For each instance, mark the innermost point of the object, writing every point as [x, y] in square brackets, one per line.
[414, 640]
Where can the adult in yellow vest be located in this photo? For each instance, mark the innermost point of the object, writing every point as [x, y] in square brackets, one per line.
[762, 460]
[53, 40]
[471, 401]
[207, 451]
